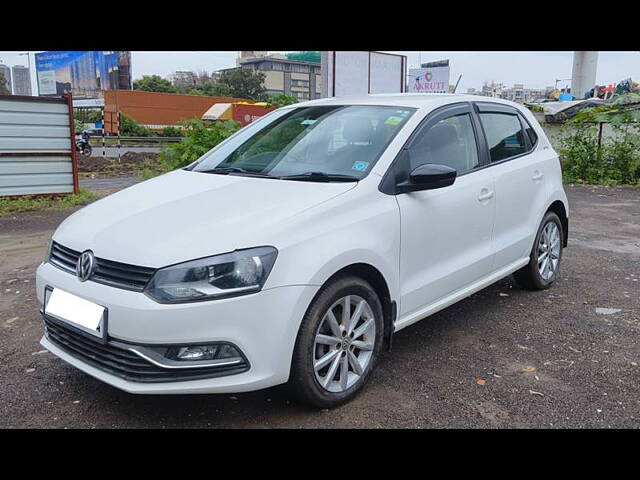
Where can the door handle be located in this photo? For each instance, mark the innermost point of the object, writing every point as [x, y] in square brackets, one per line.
[537, 175]
[485, 194]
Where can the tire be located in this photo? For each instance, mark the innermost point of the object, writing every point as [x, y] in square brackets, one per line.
[312, 387]
[87, 151]
[530, 276]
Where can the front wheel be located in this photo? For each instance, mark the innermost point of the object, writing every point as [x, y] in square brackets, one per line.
[86, 151]
[546, 254]
[338, 343]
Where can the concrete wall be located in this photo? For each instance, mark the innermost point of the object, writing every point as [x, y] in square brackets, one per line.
[36, 155]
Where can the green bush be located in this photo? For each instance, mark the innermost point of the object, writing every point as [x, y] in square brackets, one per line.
[171, 132]
[129, 128]
[280, 100]
[198, 140]
[616, 162]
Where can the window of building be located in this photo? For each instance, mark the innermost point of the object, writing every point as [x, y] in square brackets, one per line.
[504, 135]
[450, 142]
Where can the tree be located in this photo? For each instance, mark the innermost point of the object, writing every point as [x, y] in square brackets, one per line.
[154, 83]
[3, 85]
[243, 83]
[198, 139]
[280, 100]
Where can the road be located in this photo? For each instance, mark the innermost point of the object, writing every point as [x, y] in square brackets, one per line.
[503, 357]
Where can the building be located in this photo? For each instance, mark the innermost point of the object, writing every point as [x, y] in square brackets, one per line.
[492, 90]
[21, 80]
[6, 72]
[298, 79]
[517, 93]
[184, 79]
[188, 80]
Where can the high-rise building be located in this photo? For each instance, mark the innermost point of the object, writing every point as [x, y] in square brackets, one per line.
[21, 80]
[298, 79]
[6, 72]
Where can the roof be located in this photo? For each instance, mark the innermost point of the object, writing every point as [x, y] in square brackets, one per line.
[416, 100]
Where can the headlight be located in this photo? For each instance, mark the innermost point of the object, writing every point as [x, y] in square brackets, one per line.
[227, 275]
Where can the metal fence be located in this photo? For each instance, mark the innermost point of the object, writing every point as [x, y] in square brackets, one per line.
[37, 148]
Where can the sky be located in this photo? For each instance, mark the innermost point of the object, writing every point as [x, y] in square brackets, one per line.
[533, 69]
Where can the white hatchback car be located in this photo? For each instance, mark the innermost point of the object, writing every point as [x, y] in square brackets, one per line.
[292, 251]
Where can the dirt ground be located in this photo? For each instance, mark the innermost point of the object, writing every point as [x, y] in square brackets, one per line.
[130, 164]
[503, 357]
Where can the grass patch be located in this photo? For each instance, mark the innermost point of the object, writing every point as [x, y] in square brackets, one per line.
[30, 203]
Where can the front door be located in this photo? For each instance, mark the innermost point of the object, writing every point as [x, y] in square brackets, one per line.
[446, 233]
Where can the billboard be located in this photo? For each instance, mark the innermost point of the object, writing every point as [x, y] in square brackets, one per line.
[431, 78]
[84, 74]
[360, 73]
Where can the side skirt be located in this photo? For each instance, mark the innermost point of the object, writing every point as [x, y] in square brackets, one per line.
[458, 295]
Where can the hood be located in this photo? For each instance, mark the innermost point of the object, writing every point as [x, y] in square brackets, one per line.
[187, 215]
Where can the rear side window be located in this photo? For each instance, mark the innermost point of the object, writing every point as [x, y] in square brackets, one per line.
[533, 136]
[504, 135]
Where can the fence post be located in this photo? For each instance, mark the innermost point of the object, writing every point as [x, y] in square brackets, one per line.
[104, 127]
[118, 129]
[72, 132]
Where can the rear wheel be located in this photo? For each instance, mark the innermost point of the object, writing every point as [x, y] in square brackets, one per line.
[546, 254]
[338, 343]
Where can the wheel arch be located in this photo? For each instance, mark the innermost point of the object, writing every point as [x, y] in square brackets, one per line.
[379, 284]
[559, 209]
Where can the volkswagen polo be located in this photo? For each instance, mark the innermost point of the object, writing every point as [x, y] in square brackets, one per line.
[294, 250]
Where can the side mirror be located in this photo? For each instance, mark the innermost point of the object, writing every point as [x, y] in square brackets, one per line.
[428, 176]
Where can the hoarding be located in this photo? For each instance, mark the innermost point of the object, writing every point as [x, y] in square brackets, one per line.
[359, 73]
[84, 74]
[431, 78]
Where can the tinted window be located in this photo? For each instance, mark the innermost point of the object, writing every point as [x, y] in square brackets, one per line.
[504, 135]
[449, 142]
[533, 137]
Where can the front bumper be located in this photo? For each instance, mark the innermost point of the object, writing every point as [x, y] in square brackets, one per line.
[263, 326]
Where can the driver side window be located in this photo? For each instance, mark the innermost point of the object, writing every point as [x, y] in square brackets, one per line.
[450, 142]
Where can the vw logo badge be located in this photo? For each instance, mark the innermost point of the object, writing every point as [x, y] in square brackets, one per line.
[85, 265]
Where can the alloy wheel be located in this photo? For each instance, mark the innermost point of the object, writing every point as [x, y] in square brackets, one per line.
[344, 343]
[549, 251]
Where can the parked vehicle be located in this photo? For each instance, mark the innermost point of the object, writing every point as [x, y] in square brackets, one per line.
[296, 248]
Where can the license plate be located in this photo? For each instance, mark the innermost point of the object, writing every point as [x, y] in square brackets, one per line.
[78, 312]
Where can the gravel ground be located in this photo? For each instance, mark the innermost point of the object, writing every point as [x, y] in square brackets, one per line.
[504, 357]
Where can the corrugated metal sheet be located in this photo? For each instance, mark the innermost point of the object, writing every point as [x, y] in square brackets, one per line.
[152, 108]
[35, 146]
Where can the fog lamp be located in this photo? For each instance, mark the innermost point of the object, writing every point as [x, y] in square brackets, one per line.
[204, 352]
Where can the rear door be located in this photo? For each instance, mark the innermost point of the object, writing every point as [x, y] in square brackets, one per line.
[446, 232]
[519, 175]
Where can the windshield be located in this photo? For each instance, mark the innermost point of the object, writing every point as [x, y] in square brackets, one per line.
[322, 142]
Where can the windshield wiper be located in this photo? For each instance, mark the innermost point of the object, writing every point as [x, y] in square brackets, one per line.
[320, 177]
[228, 170]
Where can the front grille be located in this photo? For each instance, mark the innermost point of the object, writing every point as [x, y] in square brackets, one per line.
[124, 363]
[108, 272]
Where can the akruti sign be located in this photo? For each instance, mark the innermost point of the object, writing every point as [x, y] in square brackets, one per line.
[429, 80]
